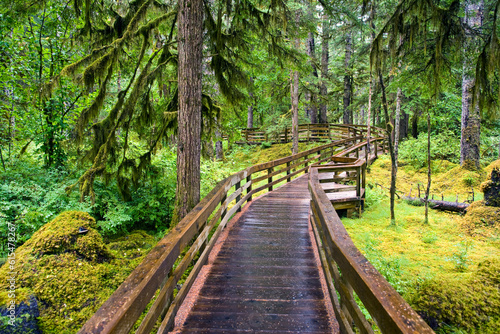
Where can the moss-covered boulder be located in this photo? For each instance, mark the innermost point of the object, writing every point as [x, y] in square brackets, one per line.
[491, 187]
[479, 215]
[71, 271]
[71, 231]
[470, 304]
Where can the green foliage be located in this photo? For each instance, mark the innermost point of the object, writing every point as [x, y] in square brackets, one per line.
[444, 146]
[460, 257]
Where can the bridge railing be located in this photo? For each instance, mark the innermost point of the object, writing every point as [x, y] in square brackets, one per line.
[310, 132]
[348, 273]
[151, 294]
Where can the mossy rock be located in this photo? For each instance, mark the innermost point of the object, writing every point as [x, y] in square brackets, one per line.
[491, 187]
[481, 215]
[70, 273]
[469, 304]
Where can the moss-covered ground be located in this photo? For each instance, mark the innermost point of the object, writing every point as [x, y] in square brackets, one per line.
[448, 269]
[71, 270]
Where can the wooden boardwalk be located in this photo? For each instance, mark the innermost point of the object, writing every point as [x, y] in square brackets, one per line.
[265, 277]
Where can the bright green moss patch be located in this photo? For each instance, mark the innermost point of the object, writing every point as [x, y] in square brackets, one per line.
[71, 231]
[463, 303]
[448, 262]
[71, 273]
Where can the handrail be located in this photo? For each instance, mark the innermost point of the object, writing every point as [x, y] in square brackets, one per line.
[310, 132]
[155, 279]
[346, 269]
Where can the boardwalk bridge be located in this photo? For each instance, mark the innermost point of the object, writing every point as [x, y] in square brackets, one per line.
[266, 252]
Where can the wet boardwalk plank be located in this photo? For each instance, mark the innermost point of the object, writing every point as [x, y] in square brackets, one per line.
[265, 278]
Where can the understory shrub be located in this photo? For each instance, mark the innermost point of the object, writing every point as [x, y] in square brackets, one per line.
[444, 146]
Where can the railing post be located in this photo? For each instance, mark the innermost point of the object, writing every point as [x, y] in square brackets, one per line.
[376, 150]
[238, 198]
[246, 135]
[249, 189]
[270, 179]
[223, 214]
[286, 135]
[288, 171]
[305, 164]
[358, 182]
[308, 132]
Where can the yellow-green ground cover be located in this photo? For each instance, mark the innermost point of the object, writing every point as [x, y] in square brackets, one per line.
[448, 269]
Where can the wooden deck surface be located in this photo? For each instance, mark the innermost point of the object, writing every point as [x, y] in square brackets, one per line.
[265, 278]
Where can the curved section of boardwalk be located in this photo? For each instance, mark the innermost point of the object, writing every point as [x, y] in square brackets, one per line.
[265, 277]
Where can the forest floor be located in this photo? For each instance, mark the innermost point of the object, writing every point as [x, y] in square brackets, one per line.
[435, 266]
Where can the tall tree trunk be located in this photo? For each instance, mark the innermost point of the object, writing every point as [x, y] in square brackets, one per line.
[347, 79]
[397, 125]
[391, 148]
[324, 70]
[250, 109]
[414, 124]
[427, 191]
[403, 128]
[219, 150]
[294, 93]
[471, 122]
[190, 25]
[372, 82]
[311, 108]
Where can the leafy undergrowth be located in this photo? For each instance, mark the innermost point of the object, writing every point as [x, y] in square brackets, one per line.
[447, 269]
[71, 270]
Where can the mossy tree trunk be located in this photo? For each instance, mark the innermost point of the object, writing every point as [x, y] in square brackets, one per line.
[471, 122]
[428, 189]
[347, 79]
[312, 109]
[324, 71]
[190, 40]
[294, 92]
[389, 127]
[250, 108]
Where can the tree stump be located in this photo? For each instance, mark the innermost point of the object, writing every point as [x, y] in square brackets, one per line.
[491, 189]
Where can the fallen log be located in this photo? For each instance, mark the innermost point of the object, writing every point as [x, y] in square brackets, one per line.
[439, 205]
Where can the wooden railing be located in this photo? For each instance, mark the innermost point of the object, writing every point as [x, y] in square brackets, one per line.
[309, 132]
[348, 271]
[150, 292]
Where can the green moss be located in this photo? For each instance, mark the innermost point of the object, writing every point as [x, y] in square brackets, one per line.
[481, 216]
[468, 304]
[63, 235]
[72, 274]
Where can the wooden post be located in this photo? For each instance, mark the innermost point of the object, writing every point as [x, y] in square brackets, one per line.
[305, 164]
[249, 189]
[238, 198]
[358, 182]
[270, 179]
[246, 135]
[288, 171]
[308, 132]
[223, 214]
[363, 180]
[286, 135]
[376, 148]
